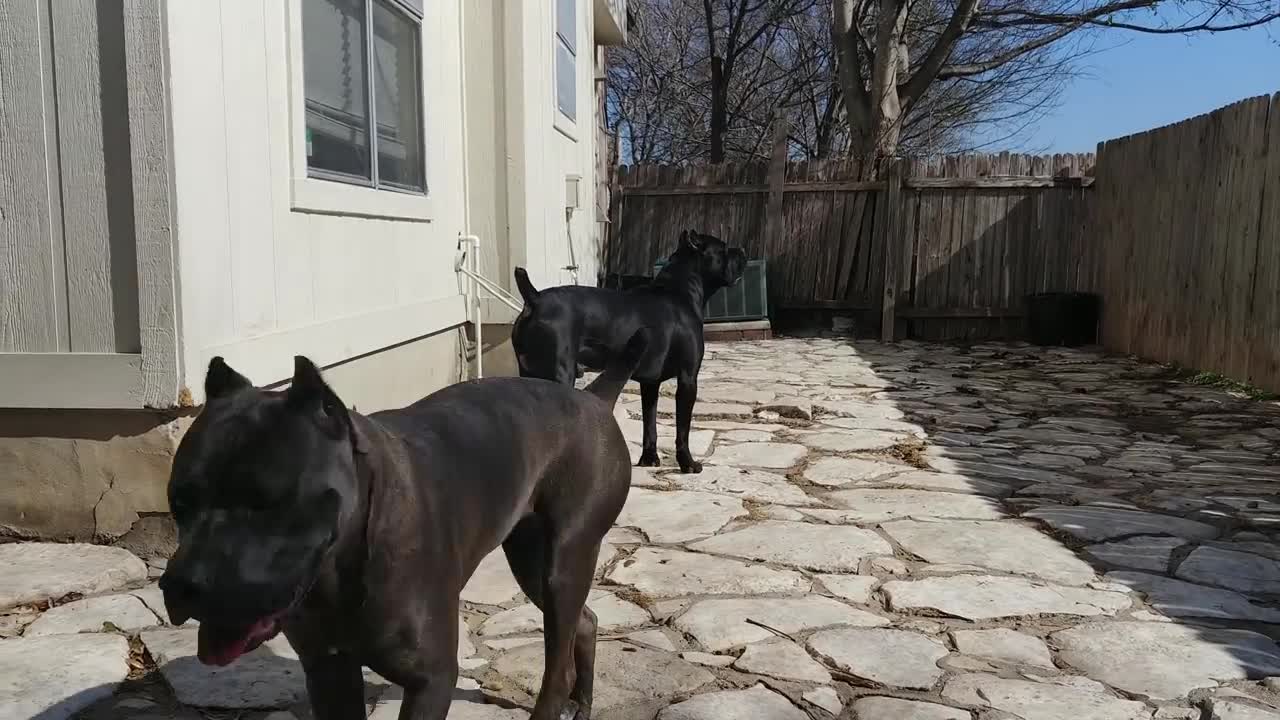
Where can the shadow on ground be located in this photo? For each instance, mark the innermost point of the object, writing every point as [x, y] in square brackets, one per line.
[1168, 491]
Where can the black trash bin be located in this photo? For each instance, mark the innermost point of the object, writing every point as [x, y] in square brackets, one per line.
[1069, 319]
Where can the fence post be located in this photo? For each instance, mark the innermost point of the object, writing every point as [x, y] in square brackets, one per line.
[891, 232]
[773, 221]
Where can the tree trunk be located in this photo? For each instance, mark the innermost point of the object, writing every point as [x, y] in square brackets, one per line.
[853, 89]
[890, 60]
[875, 117]
[719, 109]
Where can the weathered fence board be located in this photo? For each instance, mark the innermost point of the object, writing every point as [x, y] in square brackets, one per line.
[1263, 327]
[823, 251]
[968, 235]
[1188, 237]
[1177, 228]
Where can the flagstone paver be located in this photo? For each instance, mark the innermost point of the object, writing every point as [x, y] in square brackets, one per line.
[1044, 533]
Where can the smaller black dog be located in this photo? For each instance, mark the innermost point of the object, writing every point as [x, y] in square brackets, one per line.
[563, 327]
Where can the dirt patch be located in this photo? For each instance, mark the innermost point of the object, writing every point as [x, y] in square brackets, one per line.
[910, 451]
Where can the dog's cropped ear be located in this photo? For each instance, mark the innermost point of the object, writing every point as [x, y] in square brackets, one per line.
[221, 380]
[691, 239]
[308, 390]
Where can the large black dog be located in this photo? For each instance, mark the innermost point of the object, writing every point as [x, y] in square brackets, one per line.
[563, 327]
[355, 535]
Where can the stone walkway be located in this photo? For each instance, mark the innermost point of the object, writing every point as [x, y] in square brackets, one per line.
[911, 532]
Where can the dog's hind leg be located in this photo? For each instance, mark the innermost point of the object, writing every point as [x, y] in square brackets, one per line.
[562, 368]
[649, 408]
[545, 352]
[686, 396]
[565, 587]
[556, 575]
[584, 661]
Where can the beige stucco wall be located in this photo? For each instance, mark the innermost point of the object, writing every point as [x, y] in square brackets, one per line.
[520, 149]
[92, 475]
[82, 474]
[499, 357]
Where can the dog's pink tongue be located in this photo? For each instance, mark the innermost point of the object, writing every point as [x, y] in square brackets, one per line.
[221, 645]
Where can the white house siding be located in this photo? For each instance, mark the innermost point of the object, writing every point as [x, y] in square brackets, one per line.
[551, 153]
[273, 264]
[488, 119]
[520, 152]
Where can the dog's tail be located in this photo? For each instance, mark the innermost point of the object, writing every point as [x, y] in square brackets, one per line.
[609, 384]
[527, 290]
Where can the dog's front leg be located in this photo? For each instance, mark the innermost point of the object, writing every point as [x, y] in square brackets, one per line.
[430, 701]
[431, 665]
[686, 396]
[649, 408]
[335, 685]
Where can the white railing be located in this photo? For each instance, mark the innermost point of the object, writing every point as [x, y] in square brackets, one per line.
[467, 262]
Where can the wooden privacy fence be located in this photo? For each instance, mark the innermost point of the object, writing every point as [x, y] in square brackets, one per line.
[822, 253]
[974, 235]
[962, 239]
[1188, 235]
[1178, 230]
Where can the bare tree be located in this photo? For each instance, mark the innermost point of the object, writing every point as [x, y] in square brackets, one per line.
[667, 103]
[702, 79]
[740, 36]
[897, 57]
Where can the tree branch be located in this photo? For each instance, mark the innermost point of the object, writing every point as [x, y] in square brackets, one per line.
[978, 68]
[932, 64]
[1093, 19]
[711, 27]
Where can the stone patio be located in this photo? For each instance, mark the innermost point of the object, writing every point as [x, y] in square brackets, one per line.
[906, 532]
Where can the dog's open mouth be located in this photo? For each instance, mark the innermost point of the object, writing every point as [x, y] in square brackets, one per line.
[220, 644]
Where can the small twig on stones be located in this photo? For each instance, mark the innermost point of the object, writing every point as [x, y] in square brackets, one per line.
[774, 630]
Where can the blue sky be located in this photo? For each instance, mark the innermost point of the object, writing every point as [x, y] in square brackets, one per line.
[1145, 81]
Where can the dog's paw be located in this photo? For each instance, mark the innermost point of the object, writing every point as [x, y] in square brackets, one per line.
[692, 467]
[647, 460]
[571, 711]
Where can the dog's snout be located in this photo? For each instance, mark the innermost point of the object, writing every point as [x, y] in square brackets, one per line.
[182, 593]
[180, 579]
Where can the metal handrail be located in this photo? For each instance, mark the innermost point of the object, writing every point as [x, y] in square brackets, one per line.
[467, 262]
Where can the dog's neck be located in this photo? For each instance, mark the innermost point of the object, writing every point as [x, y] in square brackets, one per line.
[348, 557]
[684, 282]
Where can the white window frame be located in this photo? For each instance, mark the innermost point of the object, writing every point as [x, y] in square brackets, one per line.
[568, 126]
[314, 191]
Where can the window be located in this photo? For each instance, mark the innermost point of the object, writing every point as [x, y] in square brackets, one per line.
[567, 58]
[362, 70]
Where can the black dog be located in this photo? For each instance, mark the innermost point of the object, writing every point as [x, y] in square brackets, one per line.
[563, 327]
[355, 535]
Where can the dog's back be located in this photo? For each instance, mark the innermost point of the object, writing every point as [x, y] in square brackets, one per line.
[591, 326]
